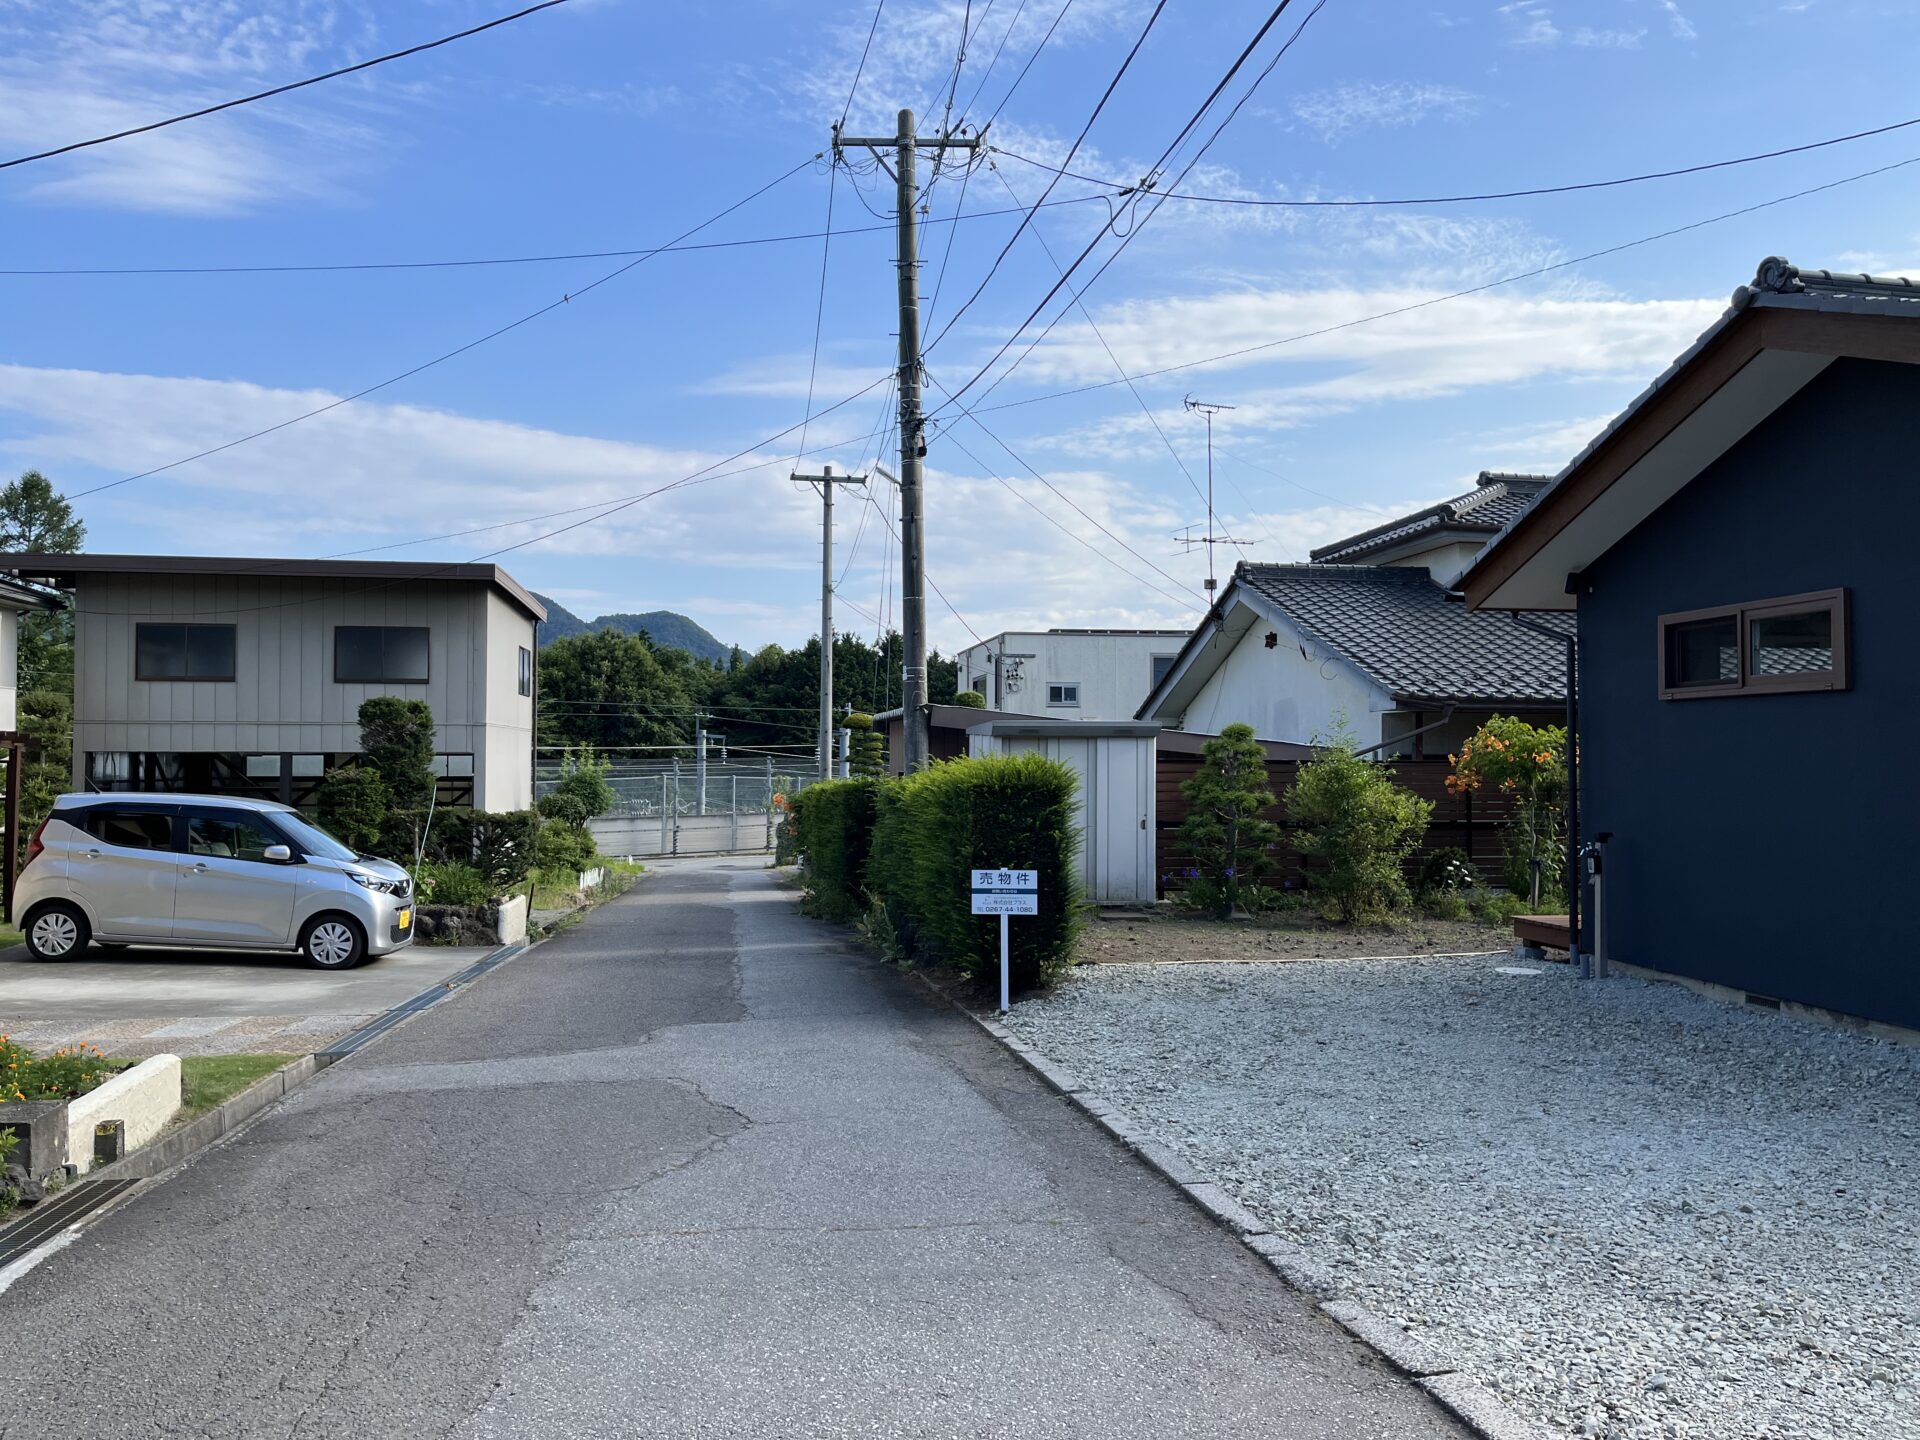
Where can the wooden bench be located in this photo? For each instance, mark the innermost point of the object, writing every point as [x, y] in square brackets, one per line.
[1549, 932]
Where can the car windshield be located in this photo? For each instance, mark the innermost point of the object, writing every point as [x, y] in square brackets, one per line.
[313, 840]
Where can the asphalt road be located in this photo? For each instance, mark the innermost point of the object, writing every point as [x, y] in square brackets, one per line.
[690, 1169]
[150, 999]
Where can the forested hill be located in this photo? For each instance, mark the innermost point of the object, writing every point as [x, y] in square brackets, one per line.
[663, 627]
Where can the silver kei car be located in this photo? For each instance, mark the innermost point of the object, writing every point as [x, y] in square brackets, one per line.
[207, 872]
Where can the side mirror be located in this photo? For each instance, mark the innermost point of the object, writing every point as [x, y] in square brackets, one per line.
[278, 854]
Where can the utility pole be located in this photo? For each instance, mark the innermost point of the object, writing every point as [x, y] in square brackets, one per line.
[1209, 409]
[913, 440]
[700, 761]
[825, 481]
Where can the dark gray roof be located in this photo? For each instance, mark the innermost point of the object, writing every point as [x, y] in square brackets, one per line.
[1489, 508]
[1402, 631]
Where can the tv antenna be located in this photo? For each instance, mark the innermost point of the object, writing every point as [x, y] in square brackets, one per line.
[1209, 409]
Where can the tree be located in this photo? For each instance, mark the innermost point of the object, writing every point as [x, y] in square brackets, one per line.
[34, 517]
[1225, 831]
[867, 747]
[1358, 825]
[971, 700]
[396, 738]
[1528, 762]
[352, 802]
[615, 691]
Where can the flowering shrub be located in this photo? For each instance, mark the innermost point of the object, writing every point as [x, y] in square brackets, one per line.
[59, 1075]
[1529, 763]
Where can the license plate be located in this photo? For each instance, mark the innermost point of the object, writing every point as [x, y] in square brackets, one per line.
[406, 917]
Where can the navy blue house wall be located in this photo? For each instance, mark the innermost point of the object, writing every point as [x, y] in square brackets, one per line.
[1771, 842]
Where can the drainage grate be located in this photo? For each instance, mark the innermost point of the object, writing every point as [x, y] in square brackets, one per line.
[47, 1219]
[1762, 1002]
[379, 1026]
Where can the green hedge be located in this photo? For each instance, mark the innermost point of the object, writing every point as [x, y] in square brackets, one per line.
[936, 827]
[833, 823]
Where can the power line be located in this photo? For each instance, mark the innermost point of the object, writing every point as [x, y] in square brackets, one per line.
[1165, 155]
[1005, 36]
[1564, 189]
[1023, 69]
[438, 359]
[1079, 140]
[1470, 290]
[282, 89]
[820, 306]
[546, 259]
[861, 68]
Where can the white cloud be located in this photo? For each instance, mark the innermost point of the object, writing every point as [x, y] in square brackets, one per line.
[1541, 449]
[1678, 25]
[71, 72]
[1530, 23]
[1477, 341]
[1333, 114]
[1592, 39]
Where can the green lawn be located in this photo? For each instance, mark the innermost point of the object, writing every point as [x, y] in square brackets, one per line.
[10, 936]
[206, 1080]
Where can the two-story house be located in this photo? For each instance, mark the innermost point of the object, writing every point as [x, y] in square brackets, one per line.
[245, 676]
[1069, 674]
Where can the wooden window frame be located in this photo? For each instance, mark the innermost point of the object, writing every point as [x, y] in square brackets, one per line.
[1839, 677]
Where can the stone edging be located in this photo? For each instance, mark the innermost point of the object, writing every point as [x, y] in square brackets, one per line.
[1472, 1403]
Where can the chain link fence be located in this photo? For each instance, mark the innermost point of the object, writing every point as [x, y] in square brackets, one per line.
[684, 808]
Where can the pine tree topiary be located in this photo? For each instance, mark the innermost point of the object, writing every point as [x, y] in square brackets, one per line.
[1225, 830]
[867, 747]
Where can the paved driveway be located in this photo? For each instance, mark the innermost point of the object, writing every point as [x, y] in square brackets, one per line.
[689, 1171]
[206, 1002]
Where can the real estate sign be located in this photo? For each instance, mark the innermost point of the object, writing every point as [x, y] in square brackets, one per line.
[1004, 893]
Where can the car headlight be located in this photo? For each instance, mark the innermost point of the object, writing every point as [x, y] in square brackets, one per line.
[375, 882]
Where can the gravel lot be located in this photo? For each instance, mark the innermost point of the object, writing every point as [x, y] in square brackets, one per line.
[1156, 938]
[1631, 1211]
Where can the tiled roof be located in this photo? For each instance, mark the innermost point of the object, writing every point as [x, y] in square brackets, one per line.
[1400, 628]
[1487, 509]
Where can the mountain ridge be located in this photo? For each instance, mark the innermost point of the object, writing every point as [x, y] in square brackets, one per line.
[666, 628]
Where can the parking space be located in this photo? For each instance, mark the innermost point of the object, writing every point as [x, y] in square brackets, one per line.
[200, 1002]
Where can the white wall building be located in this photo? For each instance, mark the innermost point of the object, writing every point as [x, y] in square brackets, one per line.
[1069, 674]
[14, 598]
[245, 676]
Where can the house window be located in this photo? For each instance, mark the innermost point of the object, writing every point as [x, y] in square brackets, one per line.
[1063, 693]
[380, 654]
[526, 671]
[1797, 642]
[183, 652]
[978, 684]
[1161, 665]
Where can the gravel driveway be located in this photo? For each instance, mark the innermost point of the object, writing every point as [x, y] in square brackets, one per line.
[1631, 1211]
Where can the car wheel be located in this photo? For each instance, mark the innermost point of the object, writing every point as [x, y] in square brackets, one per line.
[333, 942]
[57, 932]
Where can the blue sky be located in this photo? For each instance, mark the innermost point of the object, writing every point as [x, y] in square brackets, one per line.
[610, 124]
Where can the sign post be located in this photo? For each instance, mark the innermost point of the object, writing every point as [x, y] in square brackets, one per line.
[1004, 893]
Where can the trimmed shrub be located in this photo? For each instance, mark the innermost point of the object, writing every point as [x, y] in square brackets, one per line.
[935, 827]
[1358, 825]
[971, 699]
[352, 803]
[563, 807]
[833, 825]
[866, 746]
[561, 849]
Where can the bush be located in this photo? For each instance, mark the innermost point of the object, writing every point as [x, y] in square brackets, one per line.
[1529, 763]
[584, 781]
[558, 848]
[1498, 907]
[499, 844]
[833, 824]
[352, 804]
[1447, 905]
[58, 1075]
[971, 699]
[866, 746]
[1445, 871]
[451, 882]
[1224, 830]
[1358, 826]
[934, 828]
[563, 807]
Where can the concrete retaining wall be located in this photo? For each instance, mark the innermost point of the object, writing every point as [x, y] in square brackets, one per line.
[142, 1099]
[510, 924]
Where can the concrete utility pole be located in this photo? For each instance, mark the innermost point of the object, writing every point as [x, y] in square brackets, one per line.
[825, 481]
[700, 761]
[913, 440]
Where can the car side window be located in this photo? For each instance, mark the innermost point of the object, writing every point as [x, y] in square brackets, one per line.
[228, 839]
[131, 829]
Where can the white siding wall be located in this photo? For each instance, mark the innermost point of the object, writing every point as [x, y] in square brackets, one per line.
[504, 768]
[1284, 694]
[1114, 672]
[1117, 774]
[284, 696]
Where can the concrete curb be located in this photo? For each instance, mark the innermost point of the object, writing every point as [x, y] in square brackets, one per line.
[1475, 1406]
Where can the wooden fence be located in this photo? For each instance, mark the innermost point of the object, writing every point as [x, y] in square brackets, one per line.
[1471, 822]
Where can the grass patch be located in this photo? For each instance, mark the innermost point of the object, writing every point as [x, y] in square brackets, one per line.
[10, 936]
[207, 1080]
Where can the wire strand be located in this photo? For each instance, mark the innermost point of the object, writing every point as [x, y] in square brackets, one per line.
[281, 89]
